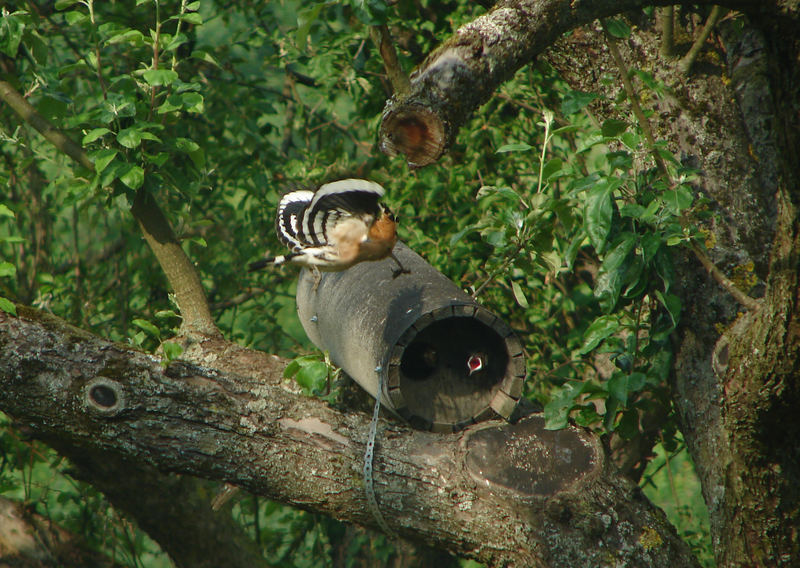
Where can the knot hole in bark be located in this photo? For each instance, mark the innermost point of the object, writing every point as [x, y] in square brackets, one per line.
[104, 396]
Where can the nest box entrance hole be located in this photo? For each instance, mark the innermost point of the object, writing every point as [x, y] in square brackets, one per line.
[450, 369]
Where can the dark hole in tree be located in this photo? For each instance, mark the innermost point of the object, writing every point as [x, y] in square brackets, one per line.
[103, 396]
[435, 373]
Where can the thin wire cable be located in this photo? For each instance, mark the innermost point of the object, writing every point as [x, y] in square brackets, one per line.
[369, 487]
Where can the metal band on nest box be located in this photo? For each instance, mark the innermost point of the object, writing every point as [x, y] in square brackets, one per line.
[420, 329]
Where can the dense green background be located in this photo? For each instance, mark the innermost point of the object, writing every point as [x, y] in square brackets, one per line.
[556, 218]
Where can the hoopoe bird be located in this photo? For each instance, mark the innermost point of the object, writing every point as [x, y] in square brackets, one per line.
[335, 227]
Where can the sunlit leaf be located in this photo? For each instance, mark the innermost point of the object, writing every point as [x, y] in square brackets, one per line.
[8, 306]
[600, 328]
[147, 327]
[133, 177]
[519, 295]
[159, 77]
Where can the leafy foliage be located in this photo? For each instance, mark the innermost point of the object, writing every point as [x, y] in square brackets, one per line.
[558, 223]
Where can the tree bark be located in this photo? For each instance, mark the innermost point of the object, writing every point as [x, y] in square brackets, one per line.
[507, 495]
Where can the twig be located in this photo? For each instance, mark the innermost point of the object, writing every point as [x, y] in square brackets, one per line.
[686, 62]
[634, 100]
[383, 41]
[724, 281]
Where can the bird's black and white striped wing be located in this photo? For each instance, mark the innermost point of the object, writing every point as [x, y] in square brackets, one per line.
[336, 201]
[288, 222]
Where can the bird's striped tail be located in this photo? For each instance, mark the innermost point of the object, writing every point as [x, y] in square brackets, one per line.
[264, 262]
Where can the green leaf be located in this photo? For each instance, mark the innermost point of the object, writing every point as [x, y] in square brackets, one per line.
[617, 28]
[519, 295]
[611, 275]
[129, 137]
[612, 405]
[556, 412]
[515, 147]
[75, 17]
[5, 211]
[600, 328]
[133, 178]
[166, 314]
[159, 77]
[551, 168]
[598, 213]
[673, 305]
[12, 27]
[102, 158]
[7, 269]
[313, 376]
[291, 369]
[172, 350]
[186, 145]
[192, 18]
[133, 37]
[618, 387]
[171, 104]
[147, 327]
[458, 235]
[8, 306]
[613, 127]
[628, 426]
[574, 101]
[636, 381]
[93, 135]
[677, 200]
[192, 102]
[305, 19]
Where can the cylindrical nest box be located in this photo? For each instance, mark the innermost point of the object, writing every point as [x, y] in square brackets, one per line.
[422, 333]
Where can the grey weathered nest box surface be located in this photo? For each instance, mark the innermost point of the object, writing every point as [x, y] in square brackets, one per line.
[418, 331]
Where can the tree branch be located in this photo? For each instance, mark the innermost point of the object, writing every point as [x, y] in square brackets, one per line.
[633, 99]
[25, 110]
[463, 72]
[514, 495]
[724, 281]
[666, 17]
[383, 41]
[686, 62]
[180, 272]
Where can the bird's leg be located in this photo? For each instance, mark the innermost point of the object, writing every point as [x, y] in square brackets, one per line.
[317, 278]
[400, 268]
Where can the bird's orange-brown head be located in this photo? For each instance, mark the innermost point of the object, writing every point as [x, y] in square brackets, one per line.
[384, 229]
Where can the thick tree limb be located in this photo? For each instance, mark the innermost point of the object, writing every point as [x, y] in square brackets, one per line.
[507, 495]
[463, 72]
